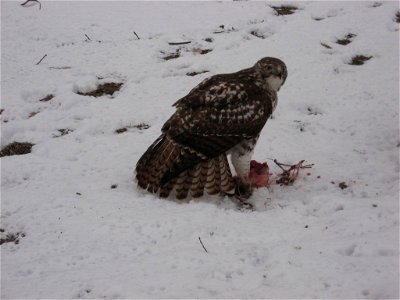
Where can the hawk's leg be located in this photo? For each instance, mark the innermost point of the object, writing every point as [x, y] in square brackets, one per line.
[243, 187]
[243, 191]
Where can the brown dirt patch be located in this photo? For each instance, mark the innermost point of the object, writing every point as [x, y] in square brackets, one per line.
[121, 130]
[326, 46]
[359, 60]
[343, 185]
[11, 237]
[173, 55]
[196, 73]
[32, 114]
[47, 98]
[284, 10]
[257, 34]
[140, 126]
[346, 40]
[202, 51]
[108, 88]
[16, 148]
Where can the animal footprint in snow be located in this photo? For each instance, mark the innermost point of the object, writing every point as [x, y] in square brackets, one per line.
[301, 125]
[313, 111]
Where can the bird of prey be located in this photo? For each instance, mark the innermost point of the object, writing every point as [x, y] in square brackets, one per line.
[221, 116]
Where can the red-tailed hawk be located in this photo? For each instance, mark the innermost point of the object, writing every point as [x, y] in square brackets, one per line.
[221, 116]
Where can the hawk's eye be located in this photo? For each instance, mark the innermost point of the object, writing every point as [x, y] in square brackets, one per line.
[269, 68]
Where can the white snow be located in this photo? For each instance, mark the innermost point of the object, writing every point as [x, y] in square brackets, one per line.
[84, 239]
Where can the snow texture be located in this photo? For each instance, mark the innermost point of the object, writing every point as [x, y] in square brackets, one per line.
[82, 228]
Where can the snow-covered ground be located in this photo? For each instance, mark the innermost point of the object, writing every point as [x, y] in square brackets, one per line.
[83, 228]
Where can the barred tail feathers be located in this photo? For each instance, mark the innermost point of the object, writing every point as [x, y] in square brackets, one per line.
[155, 162]
[212, 176]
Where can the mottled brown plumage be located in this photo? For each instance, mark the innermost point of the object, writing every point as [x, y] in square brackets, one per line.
[223, 115]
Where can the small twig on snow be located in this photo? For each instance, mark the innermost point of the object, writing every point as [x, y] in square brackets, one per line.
[202, 245]
[27, 1]
[136, 35]
[41, 59]
[178, 43]
[88, 37]
[279, 164]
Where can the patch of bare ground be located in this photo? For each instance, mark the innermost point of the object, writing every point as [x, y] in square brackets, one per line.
[11, 237]
[346, 40]
[108, 88]
[140, 126]
[284, 10]
[173, 55]
[201, 51]
[257, 34]
[16, 148]
[196, 73]
[359, 60]
[326, 46]
[47, 98]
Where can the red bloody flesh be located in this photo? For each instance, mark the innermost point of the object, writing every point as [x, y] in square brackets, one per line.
[259, 174]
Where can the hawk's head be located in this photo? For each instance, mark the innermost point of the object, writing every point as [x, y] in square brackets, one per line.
[273, 71]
